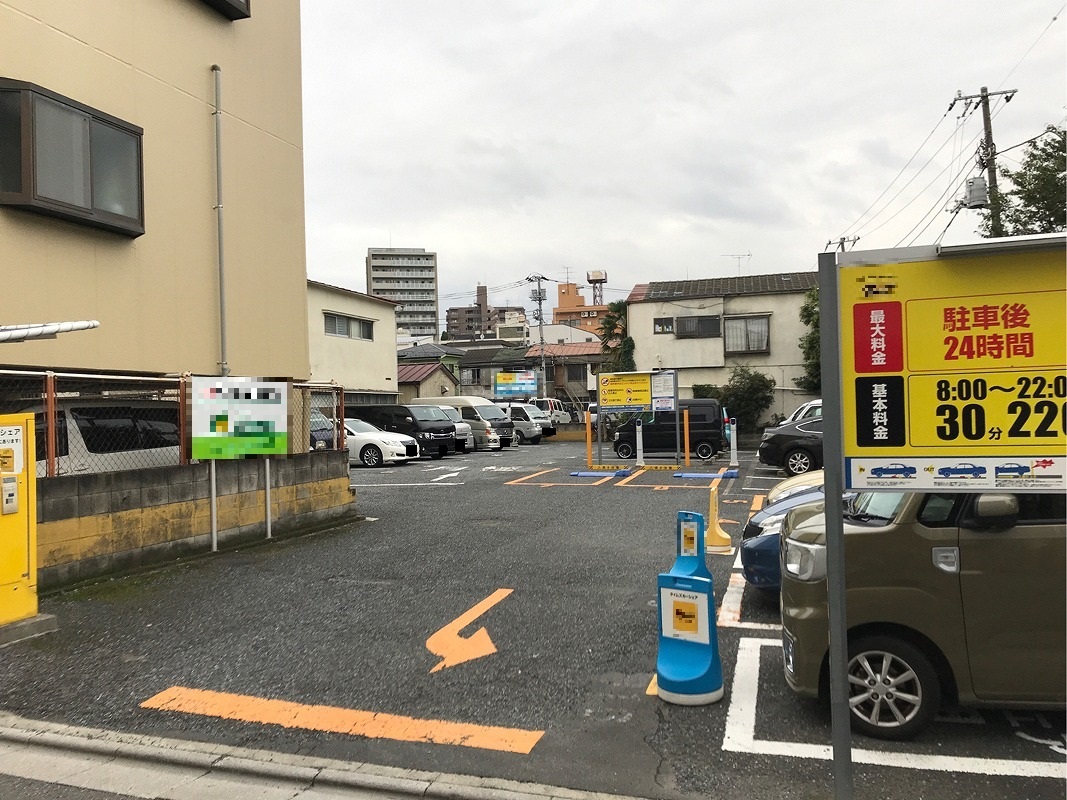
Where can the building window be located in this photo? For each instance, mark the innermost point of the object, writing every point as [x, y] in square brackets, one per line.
[66, 160]
[663, 325]
[576, 373]
[748, 335]
[352, 327]
[697, 327]
[470, 376]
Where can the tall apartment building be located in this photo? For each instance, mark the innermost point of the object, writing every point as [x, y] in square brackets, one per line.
[407, 276]
[480, 319]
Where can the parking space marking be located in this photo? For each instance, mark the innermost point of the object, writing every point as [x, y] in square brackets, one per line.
[370, 724]
[730, 610]
[527, 480]
[740, 733]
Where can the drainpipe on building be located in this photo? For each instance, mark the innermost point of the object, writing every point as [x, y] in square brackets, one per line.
[224, 365]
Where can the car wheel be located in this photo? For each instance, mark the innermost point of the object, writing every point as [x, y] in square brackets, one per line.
[798, 461]
[704, 450]
[535, 440]
[624, 450]
[892, 688]
[371, 456]
[519, 437]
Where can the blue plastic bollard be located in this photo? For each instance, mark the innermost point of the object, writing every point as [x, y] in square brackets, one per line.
[688, 666]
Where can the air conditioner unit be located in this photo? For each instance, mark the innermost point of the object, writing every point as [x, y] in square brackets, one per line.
[585, 313]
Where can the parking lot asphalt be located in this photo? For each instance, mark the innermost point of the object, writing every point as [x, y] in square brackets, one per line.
[493, 615]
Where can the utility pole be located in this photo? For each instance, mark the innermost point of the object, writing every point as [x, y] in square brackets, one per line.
[538, 296]
[989, 152]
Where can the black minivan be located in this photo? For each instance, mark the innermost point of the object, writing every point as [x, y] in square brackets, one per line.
[428, 425]
[662, 431]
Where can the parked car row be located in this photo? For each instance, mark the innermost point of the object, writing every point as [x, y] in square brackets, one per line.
[953, 598]
[434, 427]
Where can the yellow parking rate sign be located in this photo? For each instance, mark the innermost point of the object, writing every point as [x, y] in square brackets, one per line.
[953, 372]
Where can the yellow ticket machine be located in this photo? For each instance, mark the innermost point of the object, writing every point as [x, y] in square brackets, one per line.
[18, 526]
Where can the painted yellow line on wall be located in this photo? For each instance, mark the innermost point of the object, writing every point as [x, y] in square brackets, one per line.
[245, 708]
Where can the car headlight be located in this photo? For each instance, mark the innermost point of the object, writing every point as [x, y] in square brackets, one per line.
[766, 436]
[805, 562]
[422, 435]
[615, 437]
[773, 524]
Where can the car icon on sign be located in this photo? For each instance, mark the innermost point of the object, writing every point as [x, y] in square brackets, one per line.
[893, 471]
[1011, 469]
[964, 470]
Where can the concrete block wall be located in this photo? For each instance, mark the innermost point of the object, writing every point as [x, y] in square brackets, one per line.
[93, 525]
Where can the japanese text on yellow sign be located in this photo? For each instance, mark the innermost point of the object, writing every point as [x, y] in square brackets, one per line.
[955, 357]
[625, 391]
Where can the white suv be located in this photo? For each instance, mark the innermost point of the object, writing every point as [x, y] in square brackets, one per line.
[464, 434]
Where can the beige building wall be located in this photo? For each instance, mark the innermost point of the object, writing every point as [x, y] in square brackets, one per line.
[359, 365]
[157, 296]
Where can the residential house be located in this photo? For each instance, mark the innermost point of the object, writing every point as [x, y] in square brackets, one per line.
[430, 353]
[703, 328]
[571, 369]
[352, 342]
[425, 380]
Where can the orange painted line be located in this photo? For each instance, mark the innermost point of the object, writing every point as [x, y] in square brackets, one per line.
[341, 720]
[757, 502]
[525, 478]
[630, 477]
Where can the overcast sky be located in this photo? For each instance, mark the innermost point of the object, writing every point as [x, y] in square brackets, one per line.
[656, 140]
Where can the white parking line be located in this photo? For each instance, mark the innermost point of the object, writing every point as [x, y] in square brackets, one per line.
[730, 610]
[740, 734]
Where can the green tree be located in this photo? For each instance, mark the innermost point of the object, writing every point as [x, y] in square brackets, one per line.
[811, 380]
[617, 346]
[1037, 201]
[746, 396]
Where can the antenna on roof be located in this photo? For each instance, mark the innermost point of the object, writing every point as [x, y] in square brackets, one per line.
[738, 256]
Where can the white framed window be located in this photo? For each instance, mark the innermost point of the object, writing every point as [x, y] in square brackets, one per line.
[350, 327]
[663, 325]
[748, 334]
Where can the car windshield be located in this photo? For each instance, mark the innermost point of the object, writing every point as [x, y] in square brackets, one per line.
[452, 414]
[359, 426]
[426, 413]
[875, 506]
[320, 421]
[491, 412]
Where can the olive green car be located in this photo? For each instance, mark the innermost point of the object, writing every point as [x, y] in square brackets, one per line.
[950, 597]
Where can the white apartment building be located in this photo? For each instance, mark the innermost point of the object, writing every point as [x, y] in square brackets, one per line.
[407, 276]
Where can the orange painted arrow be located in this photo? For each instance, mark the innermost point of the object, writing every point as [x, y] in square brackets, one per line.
[455, 649]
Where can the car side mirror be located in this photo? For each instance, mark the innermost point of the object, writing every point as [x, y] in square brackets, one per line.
[996, 512]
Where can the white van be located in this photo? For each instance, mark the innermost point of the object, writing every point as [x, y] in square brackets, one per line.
[94, 435]
[530, 422]
[490, 425]
[554, 408]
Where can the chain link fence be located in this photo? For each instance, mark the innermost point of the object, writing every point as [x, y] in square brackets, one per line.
[102, 423]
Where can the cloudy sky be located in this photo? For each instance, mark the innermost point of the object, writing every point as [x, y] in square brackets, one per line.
[656, 140]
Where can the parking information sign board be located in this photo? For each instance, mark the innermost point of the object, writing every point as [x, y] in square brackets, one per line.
[953, 372]
[637, 391]
[239, 417]
[625, 391]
